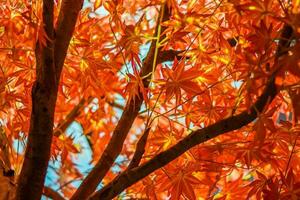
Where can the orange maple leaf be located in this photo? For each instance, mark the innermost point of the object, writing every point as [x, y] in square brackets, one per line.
[182, 183]
[135, 87]
[264, 123]
[178, 78]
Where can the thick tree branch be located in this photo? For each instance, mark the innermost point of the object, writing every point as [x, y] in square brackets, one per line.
[49, 192]
[114, 147]
[49, 62]
[44, 92]
[64, 30]
[129, 177]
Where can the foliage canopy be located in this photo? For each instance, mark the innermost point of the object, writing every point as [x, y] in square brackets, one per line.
[195, 99]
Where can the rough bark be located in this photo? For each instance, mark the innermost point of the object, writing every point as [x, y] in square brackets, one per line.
[49, 62]
[114, 147]
[131, 176]
[31, 179]
[64, 30]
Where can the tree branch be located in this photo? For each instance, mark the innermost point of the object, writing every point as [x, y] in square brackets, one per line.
[129, 177]
[44, 92]
[49, 63]
[139, 150]
[49, 192]
[64, 30]
[114, 147]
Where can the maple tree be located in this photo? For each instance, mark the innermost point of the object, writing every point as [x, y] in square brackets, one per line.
[174, 99]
